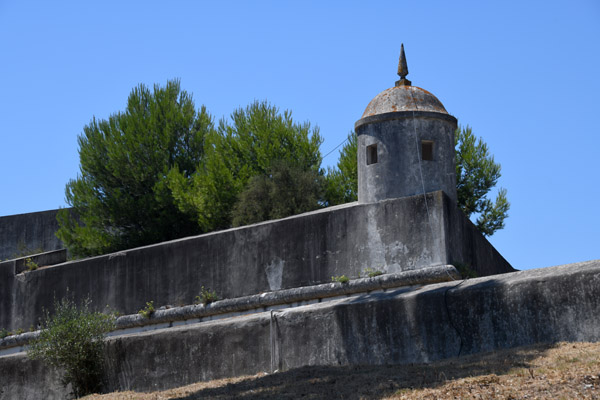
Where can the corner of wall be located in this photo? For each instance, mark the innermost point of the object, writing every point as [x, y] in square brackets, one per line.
[467, 246]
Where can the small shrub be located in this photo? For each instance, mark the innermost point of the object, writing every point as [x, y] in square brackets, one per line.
[340, 279]
[148, 310]
[72, 340]
[4, 333]
[371, 273]
[19, 331]
[465, 270]
[206, 296]
[30, 264]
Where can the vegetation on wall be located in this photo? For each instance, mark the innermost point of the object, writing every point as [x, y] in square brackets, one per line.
[72, 340]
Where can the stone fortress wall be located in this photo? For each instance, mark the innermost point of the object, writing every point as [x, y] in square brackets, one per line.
[287, 314]
[410, 324]
[391, 236]
[28, 233]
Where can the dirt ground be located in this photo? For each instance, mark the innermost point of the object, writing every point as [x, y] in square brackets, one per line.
[559, 371]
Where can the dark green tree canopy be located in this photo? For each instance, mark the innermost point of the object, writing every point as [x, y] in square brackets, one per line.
[121, 197]
[285, 190]
[258, 165]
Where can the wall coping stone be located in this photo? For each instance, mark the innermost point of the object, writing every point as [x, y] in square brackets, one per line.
[165, 317]
[44, 259]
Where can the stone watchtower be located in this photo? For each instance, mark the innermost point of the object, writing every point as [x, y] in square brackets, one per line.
[405, 143]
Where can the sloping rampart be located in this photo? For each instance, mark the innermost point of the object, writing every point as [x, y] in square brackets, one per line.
[392, 236]
[398, 326]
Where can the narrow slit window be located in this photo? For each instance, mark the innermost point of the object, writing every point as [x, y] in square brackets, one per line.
[372, 154]
[427, 150]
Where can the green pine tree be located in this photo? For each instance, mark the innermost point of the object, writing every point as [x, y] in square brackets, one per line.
[258, 165]
[476, 174]
[121, 198]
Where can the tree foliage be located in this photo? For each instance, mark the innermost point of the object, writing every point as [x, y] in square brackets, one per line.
[285, 190]
[72, 340]
[476, 175]
[342, 182]
[121, 198]
[258, 165]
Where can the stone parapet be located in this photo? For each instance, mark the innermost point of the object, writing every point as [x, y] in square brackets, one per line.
[412, 324]
[392, 236]
[286, 298]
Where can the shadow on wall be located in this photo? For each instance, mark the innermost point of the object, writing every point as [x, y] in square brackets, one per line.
[368, 382]
[409, 325]
[540, 306]
[403, 326]
[459, 318]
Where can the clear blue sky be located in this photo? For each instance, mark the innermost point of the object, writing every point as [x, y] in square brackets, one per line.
[525, 75]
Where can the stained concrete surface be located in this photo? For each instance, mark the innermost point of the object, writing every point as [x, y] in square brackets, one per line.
[392, 236]
[406, 325]
[285, 298]
[32, 233]
[399, 170]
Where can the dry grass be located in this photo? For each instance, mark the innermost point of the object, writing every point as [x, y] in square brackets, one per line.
[561, 371]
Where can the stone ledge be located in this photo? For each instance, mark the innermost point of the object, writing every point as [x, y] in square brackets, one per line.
[44, 259]
[165, 317]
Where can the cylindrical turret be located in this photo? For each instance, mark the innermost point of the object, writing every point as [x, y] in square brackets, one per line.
[405, 144]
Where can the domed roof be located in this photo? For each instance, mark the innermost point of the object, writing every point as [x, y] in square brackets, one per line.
[404, 98]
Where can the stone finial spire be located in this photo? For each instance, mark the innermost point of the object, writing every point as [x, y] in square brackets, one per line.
[402, 69]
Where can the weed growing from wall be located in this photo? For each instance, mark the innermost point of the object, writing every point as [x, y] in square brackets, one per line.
[147, 311]
[72, 340]
[206, 296]
[30, 264]
[465, 270]
[371, 272]
[340, 279]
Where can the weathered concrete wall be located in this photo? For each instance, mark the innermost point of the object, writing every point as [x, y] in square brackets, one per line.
[284, 298]
[399, 170]
[22, 378]
[467, 245]
[33, 231]
[407, 325]
[392, 236]
[41, 259]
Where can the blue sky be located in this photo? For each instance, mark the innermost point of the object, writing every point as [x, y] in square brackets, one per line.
[523, 74]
